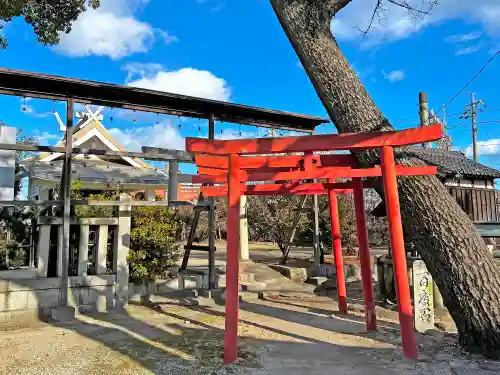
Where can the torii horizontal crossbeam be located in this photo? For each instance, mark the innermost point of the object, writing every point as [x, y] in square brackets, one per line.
[285, 189]
[324, 142]
[217, 176]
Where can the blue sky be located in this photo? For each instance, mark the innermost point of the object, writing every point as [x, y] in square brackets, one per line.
[216, 49]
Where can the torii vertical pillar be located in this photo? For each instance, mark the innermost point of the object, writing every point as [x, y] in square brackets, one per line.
[337, 251]
[398, 253]
[364, 256]
[232, 261]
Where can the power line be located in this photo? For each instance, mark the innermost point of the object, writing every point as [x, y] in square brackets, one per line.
[470, 81]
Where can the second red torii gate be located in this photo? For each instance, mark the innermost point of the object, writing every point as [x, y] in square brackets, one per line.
[226, 162]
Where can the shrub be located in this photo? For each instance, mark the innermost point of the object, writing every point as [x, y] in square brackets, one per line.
[12, 251]
[152, 243]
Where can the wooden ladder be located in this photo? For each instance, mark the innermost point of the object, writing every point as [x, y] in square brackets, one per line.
[315, 243]
[202, 206]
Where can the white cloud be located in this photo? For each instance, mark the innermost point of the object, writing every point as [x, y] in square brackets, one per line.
[162, 134]
[460, 38]
[111, 30]
[467, 50]
[489, 147]
[396, 23]
[394, 76]
[46, 138]
[185, 81]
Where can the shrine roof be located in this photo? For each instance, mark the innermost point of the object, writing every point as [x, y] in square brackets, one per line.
[453, 163]
[96, 172]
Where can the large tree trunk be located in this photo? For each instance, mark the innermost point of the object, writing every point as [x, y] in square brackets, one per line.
[446, 239]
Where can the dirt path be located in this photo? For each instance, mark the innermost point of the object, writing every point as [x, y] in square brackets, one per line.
[294, 334]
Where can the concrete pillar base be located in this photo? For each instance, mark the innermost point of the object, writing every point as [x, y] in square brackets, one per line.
[63, 313]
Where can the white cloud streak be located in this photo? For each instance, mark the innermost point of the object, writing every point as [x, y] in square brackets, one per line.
[467, 50]
[488, 147]
[461, 38]
[394, 76]
[163, 134]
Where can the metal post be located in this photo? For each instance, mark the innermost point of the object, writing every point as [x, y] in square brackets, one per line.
[337, 251]
[424, 113]
[65, 191]
[474, 126]
[232, 265]
[212, 284]
[173, 180]
[364, 256]
[398, 253]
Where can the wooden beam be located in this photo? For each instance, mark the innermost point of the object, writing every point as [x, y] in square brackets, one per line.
[322, 142]
[223, 172]
[165, 155]
[315, 173]
[64, 192]
[289, 161]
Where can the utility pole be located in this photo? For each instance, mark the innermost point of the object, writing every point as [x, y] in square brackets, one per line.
[471, 111]
[424, 113]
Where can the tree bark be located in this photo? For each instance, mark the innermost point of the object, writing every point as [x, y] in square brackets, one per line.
[455, 254]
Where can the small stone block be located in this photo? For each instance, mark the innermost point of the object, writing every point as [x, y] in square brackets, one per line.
[205, 302]
[63, 313]
[256, 287]
[204, 293]
[317, 280]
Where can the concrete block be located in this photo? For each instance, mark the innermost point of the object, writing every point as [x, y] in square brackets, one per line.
[15, 301]
[19, 274]
[90, 281]
[190, 281]
[167, 286]
[48, 298]
[32, 300]
[104, 303]
[63, 313]
[34, 284]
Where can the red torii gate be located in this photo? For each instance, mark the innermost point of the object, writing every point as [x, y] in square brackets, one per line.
[221, 162]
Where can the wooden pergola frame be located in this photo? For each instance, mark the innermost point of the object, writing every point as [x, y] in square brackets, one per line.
[70, 90]
[230, 163]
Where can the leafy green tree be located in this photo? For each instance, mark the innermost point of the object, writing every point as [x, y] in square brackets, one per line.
[49, 18]
[15, 222]
[152, 242]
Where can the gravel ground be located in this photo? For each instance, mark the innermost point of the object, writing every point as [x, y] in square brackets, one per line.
[292, 334]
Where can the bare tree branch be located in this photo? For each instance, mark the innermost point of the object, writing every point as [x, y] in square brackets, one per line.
[380, 9]
[406, 5]
[376, 12]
